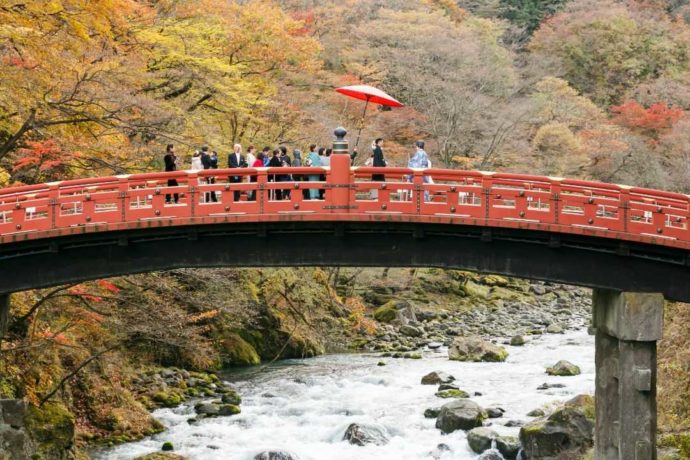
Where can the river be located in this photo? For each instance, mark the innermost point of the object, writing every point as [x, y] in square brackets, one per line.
[305, 406]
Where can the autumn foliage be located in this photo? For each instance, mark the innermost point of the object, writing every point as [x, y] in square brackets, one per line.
[651, 121]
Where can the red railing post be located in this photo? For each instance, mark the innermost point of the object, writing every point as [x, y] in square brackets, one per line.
[339, 180]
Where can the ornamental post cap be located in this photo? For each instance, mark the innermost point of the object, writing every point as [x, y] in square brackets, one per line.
[340, 133]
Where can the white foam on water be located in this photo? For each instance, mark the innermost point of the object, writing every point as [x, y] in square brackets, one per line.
[316, 399]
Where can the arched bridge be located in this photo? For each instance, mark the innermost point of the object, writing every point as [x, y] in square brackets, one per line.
[573, 231]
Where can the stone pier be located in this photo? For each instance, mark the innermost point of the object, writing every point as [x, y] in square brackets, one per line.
[628, 326]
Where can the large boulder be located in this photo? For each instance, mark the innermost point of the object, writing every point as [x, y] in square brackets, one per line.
[398, 312]
[568, 431]
[563, 368]
[362, 434]
[475, 349]
[460, 414]
[436, 378]
[480, 438]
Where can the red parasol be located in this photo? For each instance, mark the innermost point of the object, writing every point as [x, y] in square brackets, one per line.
[369, 94]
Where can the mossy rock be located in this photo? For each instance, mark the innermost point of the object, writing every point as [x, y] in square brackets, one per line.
[494, 280]
[563, 368]
[168, 398]
[473, 289]
[231, 397]
[238, 352]
[167, 446]
[452, 394]
[229, 409]
[52, 426]
[412, 356]
[385, 313]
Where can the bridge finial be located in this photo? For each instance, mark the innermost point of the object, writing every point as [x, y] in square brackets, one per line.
[340, 143]
[340, 133]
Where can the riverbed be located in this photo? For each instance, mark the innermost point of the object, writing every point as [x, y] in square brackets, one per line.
[305, 406]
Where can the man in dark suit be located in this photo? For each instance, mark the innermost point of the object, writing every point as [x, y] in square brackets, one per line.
[207, 164]
[236, 160]
[171, 165]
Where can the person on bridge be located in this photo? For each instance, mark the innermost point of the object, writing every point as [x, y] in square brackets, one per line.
[207, 163]
[236, 160]
[378, 162]
[313, 160]
[420, 160]
[170, 160]
[196, 161]
[258, 163]
[286, 162]
[275, 162]
[251, 155]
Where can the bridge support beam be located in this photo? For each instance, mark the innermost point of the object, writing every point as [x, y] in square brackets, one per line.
[4, 315]
[628, 326]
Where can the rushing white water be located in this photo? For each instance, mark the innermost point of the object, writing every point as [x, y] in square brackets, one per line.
[304, 407]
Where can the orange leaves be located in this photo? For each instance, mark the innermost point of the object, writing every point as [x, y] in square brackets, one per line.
[358, 320]
[650, 121]
[81, 292]
[108, 286]
[308, 19]
[204, 315]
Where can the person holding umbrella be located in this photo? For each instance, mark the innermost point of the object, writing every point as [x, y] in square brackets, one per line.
[378, 162]
[369, 94]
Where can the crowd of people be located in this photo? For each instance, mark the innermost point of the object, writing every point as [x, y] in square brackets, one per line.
[279, 157]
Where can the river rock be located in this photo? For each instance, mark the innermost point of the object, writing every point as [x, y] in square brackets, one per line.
[460, 414]
[455, 393]
[563, 368]
[275, 455]
[207, 409]
[362, 434]
[554, 329]
[514, 423]
[494, 412]
[491, 454]
[546, 386]
[439, 451]
[448, 386]
[508, 446]
[475, 349]
[568, 431]
[480, 438]
[410, 331]
[432, 412]
[517, 340]
[228, 409]
[536, 413]
[437, 377]
[434, 345]
[231, 397]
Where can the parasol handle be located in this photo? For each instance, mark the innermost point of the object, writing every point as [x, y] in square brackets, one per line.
[361, 124]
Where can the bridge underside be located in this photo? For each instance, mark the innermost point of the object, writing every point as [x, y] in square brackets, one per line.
[571, 259]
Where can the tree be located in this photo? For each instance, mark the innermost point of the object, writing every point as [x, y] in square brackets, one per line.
[456, 74]
[528, 14]
[605, 48]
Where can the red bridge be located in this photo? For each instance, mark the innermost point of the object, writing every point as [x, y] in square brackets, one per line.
[580, 232]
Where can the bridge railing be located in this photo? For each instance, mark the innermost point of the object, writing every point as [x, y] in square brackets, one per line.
[432, 195]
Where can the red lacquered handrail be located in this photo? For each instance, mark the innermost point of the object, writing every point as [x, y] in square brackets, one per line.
[441, 196]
